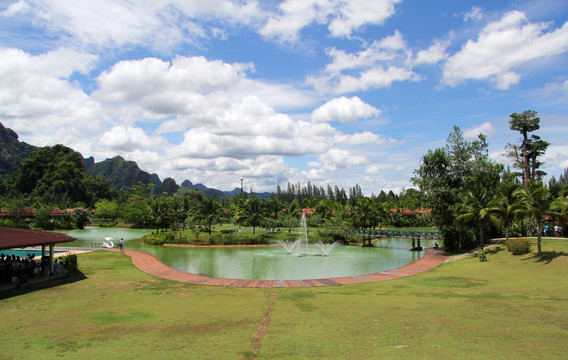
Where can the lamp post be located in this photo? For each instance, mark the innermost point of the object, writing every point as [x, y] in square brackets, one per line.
[242, 187]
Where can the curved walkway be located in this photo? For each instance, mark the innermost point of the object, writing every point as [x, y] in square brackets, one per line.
[153, 266]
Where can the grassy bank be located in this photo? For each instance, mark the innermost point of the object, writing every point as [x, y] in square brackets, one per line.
[507, 307]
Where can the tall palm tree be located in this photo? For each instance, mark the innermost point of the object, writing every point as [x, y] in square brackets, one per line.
[210, 211]
[476, 208]
[251, 213]
[294, 209]
[364, 215]
[159, 213]
[508, 205]
[274, 207]
[382, 214]
[538, 204]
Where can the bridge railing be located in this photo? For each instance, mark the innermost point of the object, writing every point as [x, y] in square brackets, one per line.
[410, 234]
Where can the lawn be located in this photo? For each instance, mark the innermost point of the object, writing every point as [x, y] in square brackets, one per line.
[508, 307]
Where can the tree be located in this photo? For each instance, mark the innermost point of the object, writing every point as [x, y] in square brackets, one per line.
[538, 204]
[251, 213]
[507, 205]
[160, 214]
[476, 208]
[106, 209]
[365, 215]
[527, 153]
[446, 173]
[210, 211]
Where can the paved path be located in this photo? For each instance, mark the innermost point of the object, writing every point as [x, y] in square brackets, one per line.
[153, 266]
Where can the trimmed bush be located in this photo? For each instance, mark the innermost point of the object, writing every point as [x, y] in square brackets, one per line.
[239, 239]
[518, 246]
[158, 239]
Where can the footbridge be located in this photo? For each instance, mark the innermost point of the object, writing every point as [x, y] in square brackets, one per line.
[400, 233]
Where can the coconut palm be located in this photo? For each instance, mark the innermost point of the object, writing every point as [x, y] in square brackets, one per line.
[251, 213]
[508, 205]
[210, 211]
[538, 203]
[160, 213]
[476, 208]
[364, 215]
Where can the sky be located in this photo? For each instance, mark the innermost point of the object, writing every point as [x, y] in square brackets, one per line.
[338, 92]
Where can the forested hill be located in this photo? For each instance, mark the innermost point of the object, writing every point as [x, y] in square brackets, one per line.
[12, 153]
[121, 174]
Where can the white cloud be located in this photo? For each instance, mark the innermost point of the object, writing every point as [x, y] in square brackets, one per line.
[557, 89]
[472, 133]
[341, 17]
[336, 159]
[503, 46]
[475, 14]
[122, 139]
[378, 66]
[37, 95]
[351, 15]
[344, 110]
[21, 6]
[160, 25]
[433, 55]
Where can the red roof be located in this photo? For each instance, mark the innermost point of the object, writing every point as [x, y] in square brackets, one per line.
[11, 238]
[26, 211]
[57, 212]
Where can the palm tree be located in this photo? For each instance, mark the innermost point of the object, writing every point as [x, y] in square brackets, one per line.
[382, 214]
[508, 205]
[274, 207]
[476, 208]
[251, 213]
[159, 213]
[178, 211]
[294, 209]
[210, 211]
[364, 215]
[538, 204]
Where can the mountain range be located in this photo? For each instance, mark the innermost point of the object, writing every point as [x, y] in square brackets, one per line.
[121, 174]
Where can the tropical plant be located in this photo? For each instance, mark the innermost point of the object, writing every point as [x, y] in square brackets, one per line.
[538, 205]
[209, 211]
[507, 205]
[251, 213]
[476, 208]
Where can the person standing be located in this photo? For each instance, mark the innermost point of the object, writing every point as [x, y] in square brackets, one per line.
[121, 245]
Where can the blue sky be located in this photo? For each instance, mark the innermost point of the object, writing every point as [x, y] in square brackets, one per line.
[327, 91]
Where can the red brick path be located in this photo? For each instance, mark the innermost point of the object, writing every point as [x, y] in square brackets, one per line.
[153, 266]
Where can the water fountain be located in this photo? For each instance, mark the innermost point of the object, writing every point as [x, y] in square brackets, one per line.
[326, 248]
[303, 238]
[304, 226]
[289, 245]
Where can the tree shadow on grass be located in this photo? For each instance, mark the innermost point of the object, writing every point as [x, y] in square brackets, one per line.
[40, 285]
[547, 256]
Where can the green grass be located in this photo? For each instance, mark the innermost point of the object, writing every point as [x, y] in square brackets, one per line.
[508, 307]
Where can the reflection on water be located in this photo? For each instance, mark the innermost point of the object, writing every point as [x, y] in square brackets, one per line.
[264, 263]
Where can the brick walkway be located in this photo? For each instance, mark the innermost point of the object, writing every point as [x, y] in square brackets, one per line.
[153, 266]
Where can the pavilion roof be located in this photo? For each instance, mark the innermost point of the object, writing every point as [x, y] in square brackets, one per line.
[11, 238]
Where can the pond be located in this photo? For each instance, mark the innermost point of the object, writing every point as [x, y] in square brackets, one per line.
[265, 262]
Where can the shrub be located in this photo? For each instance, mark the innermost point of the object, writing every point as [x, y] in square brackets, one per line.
[518, 246]
[69, 263]
[239, 239]
[158, 239]
[332, 235]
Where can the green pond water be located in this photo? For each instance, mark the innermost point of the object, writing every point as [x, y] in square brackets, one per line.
[263, 263]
